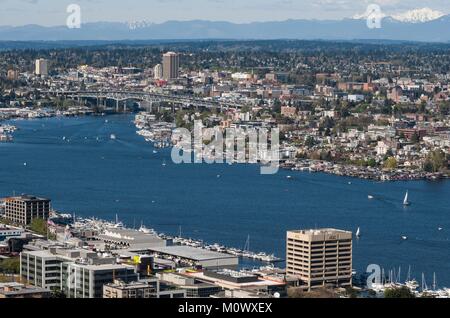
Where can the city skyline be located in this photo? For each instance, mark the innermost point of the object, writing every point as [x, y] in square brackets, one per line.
[45, 13]
[237, 162]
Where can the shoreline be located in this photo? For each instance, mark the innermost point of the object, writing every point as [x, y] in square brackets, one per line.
[304, 165]
[364, 173]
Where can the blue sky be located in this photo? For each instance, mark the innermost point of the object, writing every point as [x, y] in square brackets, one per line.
[53, 12]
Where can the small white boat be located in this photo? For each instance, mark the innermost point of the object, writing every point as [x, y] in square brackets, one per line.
[370, 197]
[440, 228]
[358, 233]
[405, 200]
[145, 230]
[113, 137]
[289, 177]
[404, 238]
[155, 152]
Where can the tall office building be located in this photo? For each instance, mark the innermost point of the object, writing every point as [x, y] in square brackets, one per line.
[41, 67]
[158, 71]
[171, 64]
[78, 273]
[24, 209]
[320, 257]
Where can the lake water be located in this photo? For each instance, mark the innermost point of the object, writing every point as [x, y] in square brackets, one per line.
[103, 177]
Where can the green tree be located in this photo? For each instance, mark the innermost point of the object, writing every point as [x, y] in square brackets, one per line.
[10, 266]
[435, 161]
[415, 138]
[310, 142]
[391, 163]
[402, 292]
[57, 293]
[351, 292]
[39, 226]
[371, 162]
[276, 108]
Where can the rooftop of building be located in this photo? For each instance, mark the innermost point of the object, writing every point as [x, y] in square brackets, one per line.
[192, 253]
[120, 284]
[261, 282]
[323, 231]
[26, 198]
[16, 289]
[102, 267]
[133, 237]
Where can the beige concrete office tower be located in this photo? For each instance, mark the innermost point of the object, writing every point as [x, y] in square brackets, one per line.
[171, 65]
[320, 257]
[41, 67]
[158, 71]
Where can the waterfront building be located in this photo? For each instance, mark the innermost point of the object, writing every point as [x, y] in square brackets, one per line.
[320, 257]
[256, 283]
[85, 280]
[158, 72]
[171, 64]
[7, 232]
[194, 287]
[129, 238]
[41, 269]
[25, 208]
[193, 256]
[77, 272]
[41, 67]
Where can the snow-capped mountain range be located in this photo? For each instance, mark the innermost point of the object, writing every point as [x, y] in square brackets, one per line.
[418, 15]
[412, 16]
[424, 25]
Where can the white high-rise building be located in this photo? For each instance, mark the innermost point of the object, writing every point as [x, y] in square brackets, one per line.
[158, 71]
[41, 67]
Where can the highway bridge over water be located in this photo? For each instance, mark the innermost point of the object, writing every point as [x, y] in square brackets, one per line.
[146, 100]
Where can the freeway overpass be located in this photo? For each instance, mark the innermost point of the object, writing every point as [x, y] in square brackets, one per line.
[177, 101]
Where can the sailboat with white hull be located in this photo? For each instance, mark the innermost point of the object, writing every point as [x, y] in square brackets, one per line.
[405, 200]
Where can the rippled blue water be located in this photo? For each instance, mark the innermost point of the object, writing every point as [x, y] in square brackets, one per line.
[103, 177]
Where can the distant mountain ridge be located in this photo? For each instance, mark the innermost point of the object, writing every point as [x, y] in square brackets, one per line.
[347, 29]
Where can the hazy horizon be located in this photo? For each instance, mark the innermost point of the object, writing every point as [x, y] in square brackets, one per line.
[53, 13]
